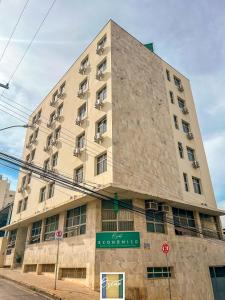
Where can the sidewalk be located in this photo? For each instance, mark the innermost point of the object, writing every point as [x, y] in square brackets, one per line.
[65, 290]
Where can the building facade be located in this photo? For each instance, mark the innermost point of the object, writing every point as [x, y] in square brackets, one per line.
[121, 121]
[6, 195]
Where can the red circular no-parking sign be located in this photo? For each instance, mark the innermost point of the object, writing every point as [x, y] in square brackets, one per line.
[58, 234]
[165, 248]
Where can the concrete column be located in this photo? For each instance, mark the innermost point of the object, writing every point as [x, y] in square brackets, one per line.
[42, 231]
[219, 226]
[39, 269]
[169, 223]
[198, 223]
[62, 220]
[29, 234]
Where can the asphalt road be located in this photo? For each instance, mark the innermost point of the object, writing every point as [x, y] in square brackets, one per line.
[12, 291]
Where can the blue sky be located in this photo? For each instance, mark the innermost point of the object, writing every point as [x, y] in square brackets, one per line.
[187, 34]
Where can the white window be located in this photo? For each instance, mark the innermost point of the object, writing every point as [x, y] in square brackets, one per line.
[79, 174]
[102, 94]
[102, 163]
[102, 125]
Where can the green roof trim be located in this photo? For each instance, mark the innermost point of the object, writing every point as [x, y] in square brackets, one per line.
[150, 47]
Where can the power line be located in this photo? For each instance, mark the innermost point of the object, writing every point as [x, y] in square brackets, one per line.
[92, 152]
[32, 40]
[14, 29]
[77, 187]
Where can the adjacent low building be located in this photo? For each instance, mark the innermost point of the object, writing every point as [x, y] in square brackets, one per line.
[121, 121]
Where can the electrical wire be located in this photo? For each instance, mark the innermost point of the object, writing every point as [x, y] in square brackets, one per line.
[92, 152]
[64, 181]
[14, 29]
[32, 40]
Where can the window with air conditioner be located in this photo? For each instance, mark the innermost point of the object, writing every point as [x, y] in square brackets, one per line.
[185, 126]
[191, 154]
[155, 219]
[117, 217]
[181, 103]
[102, 125]
[79, 174]
[84, 86]
[82, 111]
[177, 81]
[101, 44]
[75, 221]
[101, 163]
[102, 93]
[84, 64]
[102, 66]
[81, 141]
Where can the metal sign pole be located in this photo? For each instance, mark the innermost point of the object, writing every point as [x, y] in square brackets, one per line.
[56, 265]
[168, 275]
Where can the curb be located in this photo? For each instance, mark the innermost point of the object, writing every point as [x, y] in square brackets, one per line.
[33, 288]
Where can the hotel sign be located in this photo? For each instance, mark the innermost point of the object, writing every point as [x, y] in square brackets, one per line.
[117, 240]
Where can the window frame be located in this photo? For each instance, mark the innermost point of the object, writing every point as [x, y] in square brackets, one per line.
[103, 169]
[197, 182]
[101, 125]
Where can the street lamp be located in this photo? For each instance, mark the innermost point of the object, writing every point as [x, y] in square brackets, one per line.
[24, 126]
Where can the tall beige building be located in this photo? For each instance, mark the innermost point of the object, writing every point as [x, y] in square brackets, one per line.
[6, 195]
[121, 120]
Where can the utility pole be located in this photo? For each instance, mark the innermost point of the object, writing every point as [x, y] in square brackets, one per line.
[4, 86]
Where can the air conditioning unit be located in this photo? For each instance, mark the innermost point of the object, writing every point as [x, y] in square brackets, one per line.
[195, 164]
[28, 146]
[165, 208]
[152, 206]
[98, 137]
[53, 169]
[77, 151]
[81, 93]
[53, 103]
[79, 120]
[54, 142]
[190, 135]
[34, 141]
[180, 88]
[46, 148]
[82, 69]
[98, 103]
[61, 96]
[100, 49]
[99, 75]
[185, 110]
[57, 117]
[50, 124]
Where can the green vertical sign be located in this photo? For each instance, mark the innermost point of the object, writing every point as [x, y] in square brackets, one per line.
[118, 239]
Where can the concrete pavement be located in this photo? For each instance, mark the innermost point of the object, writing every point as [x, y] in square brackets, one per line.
[12, 291]
[66, 290]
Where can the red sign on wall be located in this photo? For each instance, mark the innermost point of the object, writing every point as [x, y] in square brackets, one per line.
[165, 248]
